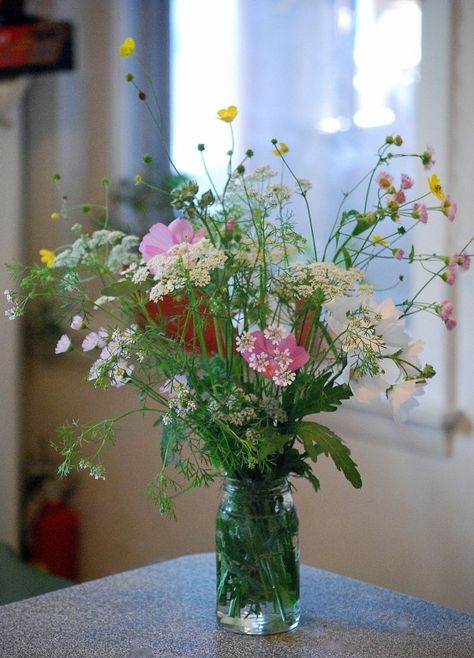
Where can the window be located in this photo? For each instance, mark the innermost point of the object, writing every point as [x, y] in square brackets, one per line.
[331, 79]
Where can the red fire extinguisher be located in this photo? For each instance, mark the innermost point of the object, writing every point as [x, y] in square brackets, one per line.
[55, 539]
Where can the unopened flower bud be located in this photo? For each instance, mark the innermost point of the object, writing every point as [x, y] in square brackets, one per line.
[201, 147]
[129, 77]
[249, 153]
[142, 95]
[240, 170]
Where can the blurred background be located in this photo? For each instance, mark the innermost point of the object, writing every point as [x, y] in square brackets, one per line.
[331, 78]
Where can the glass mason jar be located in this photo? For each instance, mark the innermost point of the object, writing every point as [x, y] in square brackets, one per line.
[257, 551]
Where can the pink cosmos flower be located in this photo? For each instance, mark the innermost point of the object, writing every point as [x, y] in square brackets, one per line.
[420, 212]
[450, 324]
[161, 238]
[407, 182]
[276, 360]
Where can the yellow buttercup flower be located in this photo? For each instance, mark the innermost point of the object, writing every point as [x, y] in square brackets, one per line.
[436, 187]
[55, 216]
[378, 239]
[281, 149]
[228, 114]
[47, 257]
[127, 47]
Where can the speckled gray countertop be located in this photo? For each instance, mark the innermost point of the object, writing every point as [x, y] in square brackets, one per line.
[167, 610]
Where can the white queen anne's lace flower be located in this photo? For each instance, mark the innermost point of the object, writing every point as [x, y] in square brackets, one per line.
[184, 262]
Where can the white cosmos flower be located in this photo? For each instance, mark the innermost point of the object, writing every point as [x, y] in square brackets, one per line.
[402, 398]
[390, 326]
[63, 344]
[370, 387]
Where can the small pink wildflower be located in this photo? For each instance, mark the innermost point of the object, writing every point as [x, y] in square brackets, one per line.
[230, 224]
[462, 260]
[275, 360]
[399, 197]
[427, 157]
[384, 180]
[398, 253]
[449, 276]
[420, 212]
[63, 344]
[447, 309]
[161, 238]
[406, 182]
[450, 208]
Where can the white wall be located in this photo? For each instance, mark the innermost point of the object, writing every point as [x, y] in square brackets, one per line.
[11, 250]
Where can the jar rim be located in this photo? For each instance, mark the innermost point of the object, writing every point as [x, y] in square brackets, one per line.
[278, 483]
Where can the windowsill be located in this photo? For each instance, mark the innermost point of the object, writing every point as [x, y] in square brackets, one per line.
[424, 432]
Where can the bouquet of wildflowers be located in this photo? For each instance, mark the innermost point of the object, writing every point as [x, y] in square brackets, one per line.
[236, 331]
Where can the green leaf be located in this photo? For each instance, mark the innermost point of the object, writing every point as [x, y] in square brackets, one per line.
[411, 255]
[274, 443]
[347, 258]
[319, 439]
[119, 288]
[321, 395]
[167, 444]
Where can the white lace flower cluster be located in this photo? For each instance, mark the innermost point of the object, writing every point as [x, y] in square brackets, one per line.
[380, 358]
[301, 281]
[274, 411]
[120, 250]
[181, 402]
[184, 263]
[238, 409]
[15, 311]
[116, 353]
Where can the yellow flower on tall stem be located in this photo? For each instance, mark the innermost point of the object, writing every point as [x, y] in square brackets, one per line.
[281, 149]
[228, 114]
[436, 187]
[127, 47]
[378, 239]
[47, 257]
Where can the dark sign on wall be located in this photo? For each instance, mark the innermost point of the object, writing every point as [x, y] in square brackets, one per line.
[30, 44]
